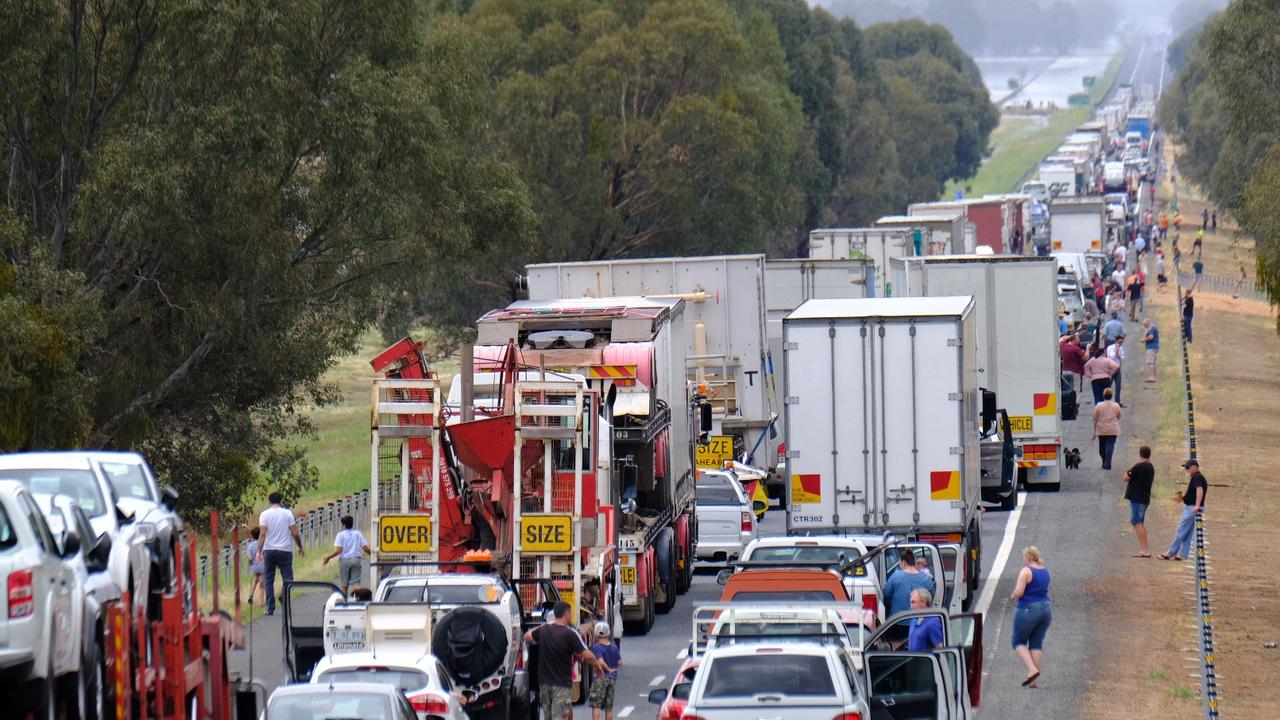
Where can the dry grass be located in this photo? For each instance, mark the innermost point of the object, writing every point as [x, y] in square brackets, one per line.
[1147, 607]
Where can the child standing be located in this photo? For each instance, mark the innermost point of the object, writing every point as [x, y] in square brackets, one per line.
[256, 566]
[601, 696]
[347, 547]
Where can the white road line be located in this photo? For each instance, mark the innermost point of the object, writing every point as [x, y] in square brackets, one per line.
[1002, 557]
[684, 653]
[1137, 65]
[657, 681]
[624, 712]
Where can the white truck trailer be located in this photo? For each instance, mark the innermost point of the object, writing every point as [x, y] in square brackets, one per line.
[1077, 224]
[724, 325]
[882, 411]
[1015, 303]
[950, 230]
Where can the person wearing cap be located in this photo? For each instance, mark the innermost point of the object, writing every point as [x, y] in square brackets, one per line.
[601, 696]
[1193, 503]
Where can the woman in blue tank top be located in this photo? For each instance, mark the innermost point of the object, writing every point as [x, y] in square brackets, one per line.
[1031, 621]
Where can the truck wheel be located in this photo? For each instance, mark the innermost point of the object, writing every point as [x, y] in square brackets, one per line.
[665, 561]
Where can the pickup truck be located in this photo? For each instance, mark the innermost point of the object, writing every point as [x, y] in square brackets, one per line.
[861, 580]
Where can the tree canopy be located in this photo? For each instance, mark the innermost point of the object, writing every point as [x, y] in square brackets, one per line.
[206, 202]
[1223, 108]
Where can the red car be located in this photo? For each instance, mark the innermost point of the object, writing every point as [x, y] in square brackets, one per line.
[674, 700]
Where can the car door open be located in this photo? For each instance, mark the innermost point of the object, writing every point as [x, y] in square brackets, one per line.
[905, 686]
[303, 626]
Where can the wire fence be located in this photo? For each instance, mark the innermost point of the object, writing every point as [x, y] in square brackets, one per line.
[1204, 615]
[317, 529]
[1222, 286]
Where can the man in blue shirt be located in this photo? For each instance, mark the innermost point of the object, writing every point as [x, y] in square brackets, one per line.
[1113, 329]
[897, 589]
[925, 633]
[1152, 342]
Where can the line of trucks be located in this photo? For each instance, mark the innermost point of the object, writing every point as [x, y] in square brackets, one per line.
[884, 387]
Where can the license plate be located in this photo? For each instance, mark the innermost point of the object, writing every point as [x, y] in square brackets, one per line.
[1020, 423]
[348, 639]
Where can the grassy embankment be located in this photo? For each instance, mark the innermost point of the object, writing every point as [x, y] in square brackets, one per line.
[1020, 142]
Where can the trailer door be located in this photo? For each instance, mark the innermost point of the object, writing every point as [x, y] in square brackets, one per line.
[303, 623]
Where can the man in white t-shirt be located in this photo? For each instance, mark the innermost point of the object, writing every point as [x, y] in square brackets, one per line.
[279, 532]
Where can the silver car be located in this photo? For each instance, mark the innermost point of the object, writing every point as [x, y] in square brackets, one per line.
[364, 700]
[726, 522]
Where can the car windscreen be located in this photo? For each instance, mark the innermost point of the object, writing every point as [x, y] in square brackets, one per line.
[79, 485]
[811, 554]
[768, 674]
[128, 480]
[784, 596]
[444, 594]
[326, 705]
[762, 631]
[404, 679]
[8, 538]
[716, 491]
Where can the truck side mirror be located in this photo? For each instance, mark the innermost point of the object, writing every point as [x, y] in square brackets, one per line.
[169, 498]
[988, 409]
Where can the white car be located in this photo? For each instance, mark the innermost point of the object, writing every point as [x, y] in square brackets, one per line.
[420, 676]
[90, 563]
[861, 580]
[140, 496]
[726, 522]
[74, 475]
[796, 681]
[40, 630]
[367, 701]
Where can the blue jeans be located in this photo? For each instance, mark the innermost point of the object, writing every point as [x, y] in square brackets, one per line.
[1098, 386]
[1106, 447]
[283, 561]
[1115, 384]
[1186, 327]
[1030, 623]
[1181, 545]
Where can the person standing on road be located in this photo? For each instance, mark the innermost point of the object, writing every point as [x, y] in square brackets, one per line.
[1162, 279]
[897, 589]
[1188, 312]
[279, 533]
[348, 546]
[924, 633]
[1034, 614]
[1151, 341]
[255, 563]
[1164, 225]
[1192, 504]
[1135, 294]
[558, 647]
[1113, 329]
[1072, 359]
[1115, 353]
[1137, 491]
[1204, 223]
[1098, 372]
[1106, 426]
[600, 698]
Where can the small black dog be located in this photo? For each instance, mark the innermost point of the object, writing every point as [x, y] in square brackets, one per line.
[1072, 458]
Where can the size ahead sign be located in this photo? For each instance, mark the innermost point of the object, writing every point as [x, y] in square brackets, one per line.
[719, 448]
[404, 534]
[548, 534]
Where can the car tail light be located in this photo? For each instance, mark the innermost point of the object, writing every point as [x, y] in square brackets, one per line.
[849, 716]
[429, 703]
[870, 601]
[746, 521]
[21, 598]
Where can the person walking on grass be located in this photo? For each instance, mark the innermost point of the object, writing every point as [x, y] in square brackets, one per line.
[1192, 504]
[1098, 372]
[1137, 490]
[1213, 222]
[1188, 312]
[1162, 280]
[1151, 342]
[1204, 222]
[600, 698]
[559, 647]
[1034, 614]
[1106, 426]
[348, 547]
[279, 532]
[1240, 281]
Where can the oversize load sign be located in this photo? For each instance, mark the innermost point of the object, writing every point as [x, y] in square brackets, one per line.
[546, 533]
[404, 534]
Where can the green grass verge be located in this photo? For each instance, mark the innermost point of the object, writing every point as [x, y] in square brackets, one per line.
[1020, 142]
